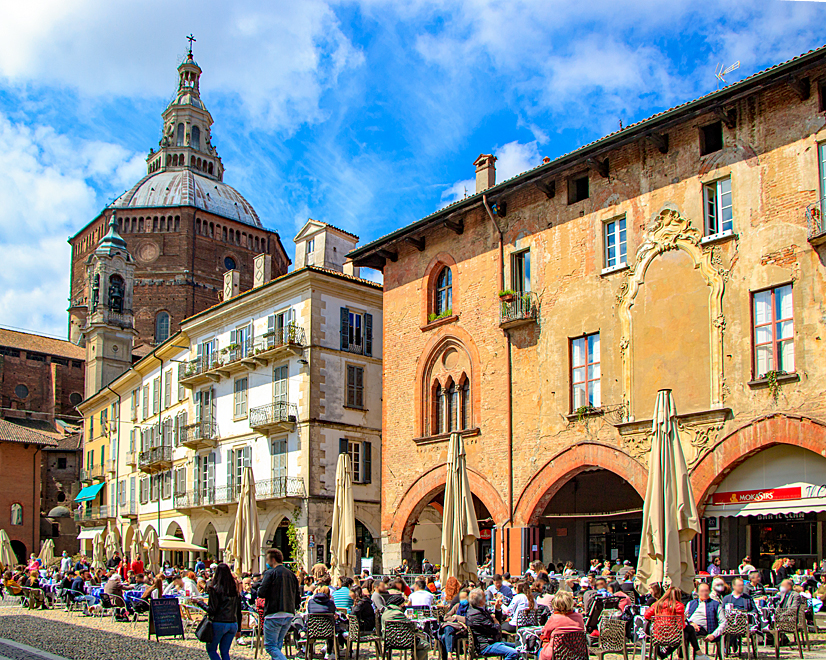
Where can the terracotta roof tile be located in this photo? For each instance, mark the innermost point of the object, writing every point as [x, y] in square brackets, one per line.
[38, 343]
[11, 432]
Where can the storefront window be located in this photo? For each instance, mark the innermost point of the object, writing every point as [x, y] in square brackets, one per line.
[618, 539]
[792, 535]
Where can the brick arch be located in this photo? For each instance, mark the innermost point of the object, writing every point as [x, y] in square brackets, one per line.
[426, 487]
[567, 464]
[429, 282]
[748, 440]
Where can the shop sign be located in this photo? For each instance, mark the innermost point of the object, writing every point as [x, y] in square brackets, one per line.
[765, 495]
[780, 516]
[484, 534]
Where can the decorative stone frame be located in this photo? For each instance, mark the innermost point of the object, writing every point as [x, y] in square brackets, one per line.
[672, 231]
[428, 292]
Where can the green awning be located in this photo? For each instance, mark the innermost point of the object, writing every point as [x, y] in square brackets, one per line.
[89, 493]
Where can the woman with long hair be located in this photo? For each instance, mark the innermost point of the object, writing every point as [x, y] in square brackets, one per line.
[563, 620]
[655, 592]
[451, 591]
[523, 600]
[363, 609]
[224, 610]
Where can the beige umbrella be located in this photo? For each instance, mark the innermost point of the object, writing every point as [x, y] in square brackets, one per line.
[245, 544]
[47, 553]
[343, 534]
[670, 518]
[460, 529]
[7, 557]
[153, 551]
[135, 549]
[98, 552]
[112, 540]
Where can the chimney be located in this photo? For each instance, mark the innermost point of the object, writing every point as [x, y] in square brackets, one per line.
[232, 284]
[350, 268]
[485, 172]
[262, 270]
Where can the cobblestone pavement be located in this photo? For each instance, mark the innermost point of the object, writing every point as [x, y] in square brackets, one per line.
[69, 636]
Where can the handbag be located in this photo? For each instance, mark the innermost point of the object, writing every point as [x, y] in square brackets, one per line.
[204, 631]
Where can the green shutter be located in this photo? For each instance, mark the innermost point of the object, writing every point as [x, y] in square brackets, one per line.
[345, 328]
[368, 334]
[343, 445]
[366, 460]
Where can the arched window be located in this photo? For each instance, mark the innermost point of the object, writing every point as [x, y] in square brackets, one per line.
[465, 401]
[444, 292]
[438, 410]
[117, 289]
[180, 137]
[195, 140]
[452, 406]
[161, 327]
[16, 514]
[95, 292]
[210, 168]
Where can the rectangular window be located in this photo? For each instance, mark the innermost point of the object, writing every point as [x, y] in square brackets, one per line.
[154, 487]
[104, 421]
[354, 449]
[279, 328]
[61, 463]
[310, 260]
[719, 216]
[167, 484]
[355, 386]
[578, 188]
[521, 271]
[180, 481]
[145, 395]
[280, 384]
[279, 458]
[144, 490]
[773, 331]
[167, 389]
[355, 336]
[821, 149]
[240, 397]
[90, 459]
[91, 427]
[615, 242]
[585, 372]
[711, 138]
[239, 459]
[156, 395]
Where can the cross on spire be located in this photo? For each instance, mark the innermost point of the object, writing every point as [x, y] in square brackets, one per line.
[191, 38]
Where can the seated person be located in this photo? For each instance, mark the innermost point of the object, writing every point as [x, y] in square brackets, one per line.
[341, 596]
[322, 603]
[454, 624]
[600, 588]
[363, 609]
[668, 605]
[563, 620]
[738, 600]
[190, 585]
[615, 589]
[11, 585]
[786, 596]
[705, 619]
[431, 585]
[394, 612]
[486, 626]
[174, 586]
[523, 601]
[421, 596]
[498, 588]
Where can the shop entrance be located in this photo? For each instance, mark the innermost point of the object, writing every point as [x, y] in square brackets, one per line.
[792, 535]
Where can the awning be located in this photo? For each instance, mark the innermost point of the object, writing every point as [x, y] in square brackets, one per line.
[90, 532]
[174, 543]
[89, 493]
[804, 505]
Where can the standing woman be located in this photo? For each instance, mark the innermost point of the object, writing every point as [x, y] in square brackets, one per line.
[224, 610]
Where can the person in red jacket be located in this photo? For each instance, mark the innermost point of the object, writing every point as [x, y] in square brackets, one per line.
[137, 566]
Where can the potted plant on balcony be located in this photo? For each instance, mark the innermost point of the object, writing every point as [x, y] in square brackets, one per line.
[507, 295]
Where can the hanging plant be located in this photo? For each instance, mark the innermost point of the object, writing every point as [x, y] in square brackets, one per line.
[773, 383]
[583, 411]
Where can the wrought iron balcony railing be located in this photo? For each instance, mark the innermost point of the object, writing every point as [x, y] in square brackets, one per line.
[199, 435]
[520, 308]
[94, 513]
[93, 473]
[276, 414]
[155, 458]
[815, 222]
[268, 489]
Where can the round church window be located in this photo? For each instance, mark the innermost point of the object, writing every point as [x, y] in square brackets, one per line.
[229, 263]
[21, 391]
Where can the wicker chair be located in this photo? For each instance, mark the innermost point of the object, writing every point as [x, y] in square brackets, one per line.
[666, 632]
[320, 627]
[787, 620]
[527, 618]
[356, 636]
[612, 638]
[738, 626]
[803, 624]
[399, 636]
[569, 646]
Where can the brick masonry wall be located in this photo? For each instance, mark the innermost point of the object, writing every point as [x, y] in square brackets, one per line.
[50, 385]
[771, 156]
[22, 461]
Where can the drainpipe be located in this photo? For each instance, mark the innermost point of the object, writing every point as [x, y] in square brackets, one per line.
[509, 417]
[117, 454]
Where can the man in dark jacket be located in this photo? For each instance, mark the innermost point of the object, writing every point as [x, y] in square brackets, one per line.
[485, 627]
[279, 588]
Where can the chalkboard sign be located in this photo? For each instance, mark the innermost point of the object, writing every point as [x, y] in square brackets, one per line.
[165, 618]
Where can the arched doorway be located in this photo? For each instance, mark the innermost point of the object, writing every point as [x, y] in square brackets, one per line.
[281, 539]
[210, 542]
[365, 544]
[19, 549]
[176, 557]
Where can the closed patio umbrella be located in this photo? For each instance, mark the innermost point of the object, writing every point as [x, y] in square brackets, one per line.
[460, 529]
[112, 541]
[670, 518]
[245, 545]
[7, 557]
[153, 551]
[47, 553]
[135, 549]
[343, 534]
[98, 552]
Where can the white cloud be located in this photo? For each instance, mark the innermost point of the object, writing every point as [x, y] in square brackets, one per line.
[49, 187]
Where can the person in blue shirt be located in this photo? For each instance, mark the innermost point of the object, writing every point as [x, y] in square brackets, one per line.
[737, 600]
[199, 566]
[499, 588]
[341, 596]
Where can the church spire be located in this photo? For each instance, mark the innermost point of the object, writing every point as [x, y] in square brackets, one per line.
[186, 142]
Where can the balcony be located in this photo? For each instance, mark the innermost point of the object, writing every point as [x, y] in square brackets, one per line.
[131, 458]
[93, 474]
[277, 416]
[199, 435]
[279, 343]
[219, 499]
[200, 371]
[518, 309]
[111, 467]
[815, 222]
[94, 513]
[128, 509]
[156, 459]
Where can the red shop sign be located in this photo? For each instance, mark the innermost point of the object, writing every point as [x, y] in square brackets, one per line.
[747, 496]
[484, 534]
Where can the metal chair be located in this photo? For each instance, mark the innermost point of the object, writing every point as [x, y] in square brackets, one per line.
[142, 604]
[803, 624]
[786, 621]
[569, 646]
[612, 638]
[111, 603]
[320, 627]
[399, 636]
[666, 632]
[76, 601]
[527, 618]
[355, 635]
[738, 626]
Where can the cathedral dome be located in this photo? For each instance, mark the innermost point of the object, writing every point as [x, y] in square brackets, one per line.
[185, 187]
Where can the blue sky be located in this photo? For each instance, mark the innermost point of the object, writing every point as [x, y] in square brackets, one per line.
[367, 115]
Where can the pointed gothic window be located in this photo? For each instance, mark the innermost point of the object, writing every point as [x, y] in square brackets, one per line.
[161, 327]
[180, 138]
[195, 141]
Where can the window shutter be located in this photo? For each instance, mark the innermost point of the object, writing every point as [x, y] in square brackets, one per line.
[198, 399]
[211, 411]
[247, 456]
[343, 445]
[182, 415]
[196, 480]
[366, 462]
[131, 489]
[359, 387]
[351, 386]
[345, 328]
[368, 334]
[211, 472]
[233, 337]
[230, 465]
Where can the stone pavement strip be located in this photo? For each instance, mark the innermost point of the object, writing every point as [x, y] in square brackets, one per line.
[59, 635]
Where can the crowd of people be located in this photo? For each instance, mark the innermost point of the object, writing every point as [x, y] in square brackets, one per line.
[553, 600]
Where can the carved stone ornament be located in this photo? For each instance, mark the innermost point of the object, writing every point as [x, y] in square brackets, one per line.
[697, 440]
[672, 231]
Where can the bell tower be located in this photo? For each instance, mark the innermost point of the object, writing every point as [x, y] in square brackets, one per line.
[109, 328]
